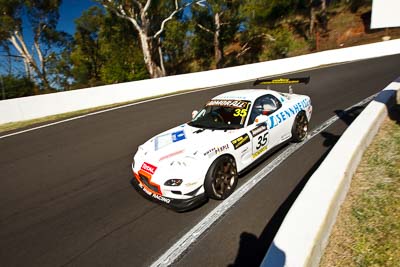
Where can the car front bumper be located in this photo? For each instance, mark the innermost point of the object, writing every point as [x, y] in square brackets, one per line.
[179, 205]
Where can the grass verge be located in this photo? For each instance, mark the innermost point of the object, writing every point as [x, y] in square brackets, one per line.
[367, 229]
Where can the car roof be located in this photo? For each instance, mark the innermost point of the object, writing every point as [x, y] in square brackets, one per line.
[245, 94]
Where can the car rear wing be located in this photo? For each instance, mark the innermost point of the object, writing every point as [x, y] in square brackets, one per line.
[288, 81]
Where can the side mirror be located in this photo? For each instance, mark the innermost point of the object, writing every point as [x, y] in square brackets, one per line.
[194, 113]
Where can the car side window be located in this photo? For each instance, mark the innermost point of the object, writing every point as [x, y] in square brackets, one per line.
[264, 105]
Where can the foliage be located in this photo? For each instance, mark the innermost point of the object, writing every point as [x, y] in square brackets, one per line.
[42, 59]
[103, 52]
[125, 40]
[14, 87]
[282, 45]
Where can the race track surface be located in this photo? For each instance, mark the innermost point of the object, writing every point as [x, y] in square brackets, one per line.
[66, 198]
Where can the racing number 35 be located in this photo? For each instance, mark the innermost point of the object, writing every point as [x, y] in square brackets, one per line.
[240, 112]
[261, 140]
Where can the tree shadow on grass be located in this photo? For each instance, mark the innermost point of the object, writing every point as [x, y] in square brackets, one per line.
[394, 113]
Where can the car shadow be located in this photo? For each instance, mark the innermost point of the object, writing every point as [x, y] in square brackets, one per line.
[252, 249]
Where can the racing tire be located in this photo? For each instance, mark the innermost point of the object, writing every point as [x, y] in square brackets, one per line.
[221, 178]
[300, 128]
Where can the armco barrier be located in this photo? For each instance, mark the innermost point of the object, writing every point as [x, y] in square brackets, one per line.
[45, 105]
[304, 233]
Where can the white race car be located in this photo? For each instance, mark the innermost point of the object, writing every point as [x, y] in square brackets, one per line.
[202, 159]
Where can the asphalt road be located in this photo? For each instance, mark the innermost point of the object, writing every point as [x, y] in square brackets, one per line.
[66, 200]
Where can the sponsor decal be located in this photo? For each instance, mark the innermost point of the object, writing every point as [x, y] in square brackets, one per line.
[278, 118]
[283, 81]
[255, 155]
[228, 103]
[216, 150]
[150, 169]
[170, 155]
[169, 138]
[240, 141]
[241, 97]
[178, 136]
[244, 151]
[256, 131]
[151, 194]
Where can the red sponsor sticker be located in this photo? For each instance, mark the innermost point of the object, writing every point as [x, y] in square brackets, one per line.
[148, 168]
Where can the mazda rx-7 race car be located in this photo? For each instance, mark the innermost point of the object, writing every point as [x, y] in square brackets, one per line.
[201, 159]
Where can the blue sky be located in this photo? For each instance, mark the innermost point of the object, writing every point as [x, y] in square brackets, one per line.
[71, 10]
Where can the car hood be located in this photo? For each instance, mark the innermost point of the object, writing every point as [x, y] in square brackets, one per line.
[182, 141]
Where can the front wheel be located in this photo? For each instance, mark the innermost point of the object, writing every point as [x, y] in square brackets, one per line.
[300, 127]
[221, 179]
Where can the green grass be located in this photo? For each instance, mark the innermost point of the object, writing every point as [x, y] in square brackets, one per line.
[367, 230]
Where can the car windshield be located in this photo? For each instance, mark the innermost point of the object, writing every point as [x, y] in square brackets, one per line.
[222, 115]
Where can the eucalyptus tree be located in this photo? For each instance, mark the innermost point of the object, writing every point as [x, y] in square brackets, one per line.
[149, 19]
[220, 20]
[105, 50]
[40, 17]
[86, 57]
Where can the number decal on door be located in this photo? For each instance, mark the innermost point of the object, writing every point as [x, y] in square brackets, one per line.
[261, 141]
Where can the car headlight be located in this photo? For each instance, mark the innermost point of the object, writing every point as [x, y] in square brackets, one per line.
[173, 182]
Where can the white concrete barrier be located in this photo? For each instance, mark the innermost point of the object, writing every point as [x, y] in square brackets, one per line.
[305, 231]
[32, 107]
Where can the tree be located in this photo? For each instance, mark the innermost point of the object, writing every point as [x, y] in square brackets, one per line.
[220, 20]
[121, 50]
[103, 52]
[149, 19]
[42, 16]
[265, 34]
[177, 51]
[13, 86]
[86, 57]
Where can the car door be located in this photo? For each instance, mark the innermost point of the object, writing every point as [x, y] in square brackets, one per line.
[258, 127]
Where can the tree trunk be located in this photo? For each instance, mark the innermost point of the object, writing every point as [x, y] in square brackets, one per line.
[154, 70]
[218, 54]
[313, 16]
[324, 16]
[30, 65]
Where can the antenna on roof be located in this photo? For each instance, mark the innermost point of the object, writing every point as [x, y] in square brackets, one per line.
[289, 81]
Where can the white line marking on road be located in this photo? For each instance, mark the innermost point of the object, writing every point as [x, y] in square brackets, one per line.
[103, 111]
[157, 98]
[175, 252]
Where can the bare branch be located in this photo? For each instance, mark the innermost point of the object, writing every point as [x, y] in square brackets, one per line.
[40, 54]
[19, 44]
[146, 7]
[171, 16]
[243, 51]
[204, 28]
[120, 12]
[246, 47]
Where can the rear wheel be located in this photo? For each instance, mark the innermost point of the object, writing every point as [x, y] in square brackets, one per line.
[300, 127]
[221, 179]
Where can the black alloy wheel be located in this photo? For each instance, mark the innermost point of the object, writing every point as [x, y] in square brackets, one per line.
[300, 127]
[221, 178]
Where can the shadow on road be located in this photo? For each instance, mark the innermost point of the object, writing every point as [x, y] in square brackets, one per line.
[252, 249]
